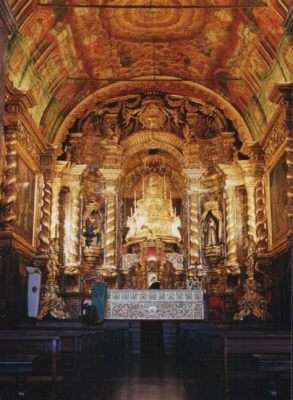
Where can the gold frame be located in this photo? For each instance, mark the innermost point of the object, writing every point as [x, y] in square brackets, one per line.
[32, 166]
[280, 243]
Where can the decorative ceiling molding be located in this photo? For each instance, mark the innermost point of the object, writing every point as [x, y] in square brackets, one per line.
[198, 92]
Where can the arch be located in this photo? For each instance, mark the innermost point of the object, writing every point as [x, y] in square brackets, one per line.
[138, 85]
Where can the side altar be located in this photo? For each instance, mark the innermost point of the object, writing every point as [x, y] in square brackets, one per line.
[154, 304]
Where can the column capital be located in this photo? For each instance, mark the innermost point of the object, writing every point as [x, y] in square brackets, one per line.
[233, 175]
[47, 161]
[193, 175]
[111, 176]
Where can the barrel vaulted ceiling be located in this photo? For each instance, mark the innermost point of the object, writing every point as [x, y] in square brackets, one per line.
[66, 50]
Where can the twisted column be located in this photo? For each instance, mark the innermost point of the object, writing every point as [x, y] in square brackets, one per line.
[194, 229]
[55, 207]
[250, 187]
[8, 214]
[260, 211]
[111, 176]
[45, 231]
[231, 255]
[74, 227]
[44, 235]
[110, 230]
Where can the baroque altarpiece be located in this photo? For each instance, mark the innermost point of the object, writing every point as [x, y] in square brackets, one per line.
[143, 188]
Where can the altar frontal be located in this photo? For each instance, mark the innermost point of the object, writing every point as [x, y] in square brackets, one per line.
[154, 304]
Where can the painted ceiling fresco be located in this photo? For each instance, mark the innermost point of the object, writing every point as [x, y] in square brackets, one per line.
[67, 49]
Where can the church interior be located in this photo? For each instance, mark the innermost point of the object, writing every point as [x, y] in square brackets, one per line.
[146, 199]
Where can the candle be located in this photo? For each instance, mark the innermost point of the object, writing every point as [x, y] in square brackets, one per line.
[143, 186]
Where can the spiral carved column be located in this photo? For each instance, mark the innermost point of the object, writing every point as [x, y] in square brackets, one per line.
[250, 187]
[8, 215]
[194, 229]
[111, 176]
[44, 235]
[55, 207]
[110, 230]
[73, 250]
[261, 218]
[231, 261]
[45, 231]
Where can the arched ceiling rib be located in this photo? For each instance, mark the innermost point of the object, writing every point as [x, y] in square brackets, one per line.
[68, 49]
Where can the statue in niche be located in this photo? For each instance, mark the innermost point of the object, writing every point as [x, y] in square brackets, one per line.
[212, 223]
[94, 225]
[210, 231]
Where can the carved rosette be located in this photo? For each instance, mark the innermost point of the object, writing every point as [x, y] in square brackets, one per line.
[8, 216]
[74, 228]
[194, 229]
[110, 230]
[231, 242]
[261, 218]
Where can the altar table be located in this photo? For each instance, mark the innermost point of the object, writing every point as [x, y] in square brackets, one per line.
[154, 304]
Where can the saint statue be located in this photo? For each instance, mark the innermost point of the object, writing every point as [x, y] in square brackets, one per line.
[211, 237]
[210, 231]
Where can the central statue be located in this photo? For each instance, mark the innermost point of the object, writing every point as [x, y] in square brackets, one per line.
[154, 216]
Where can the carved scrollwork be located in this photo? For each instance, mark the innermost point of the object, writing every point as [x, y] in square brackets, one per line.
[176, 260]
[26, 140]
[129, 261]
[277, 136]
[153, 111]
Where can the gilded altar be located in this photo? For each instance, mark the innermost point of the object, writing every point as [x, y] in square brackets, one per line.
[152, 191]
